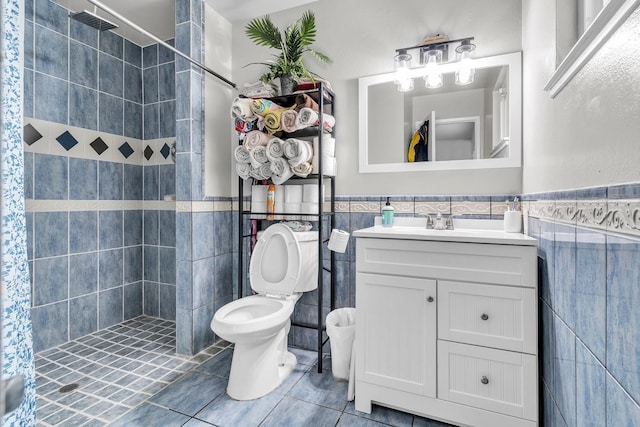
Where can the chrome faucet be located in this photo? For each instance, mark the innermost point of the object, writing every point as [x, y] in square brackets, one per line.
[440, 223]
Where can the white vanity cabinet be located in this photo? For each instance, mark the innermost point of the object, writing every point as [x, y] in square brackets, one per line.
[447, 325]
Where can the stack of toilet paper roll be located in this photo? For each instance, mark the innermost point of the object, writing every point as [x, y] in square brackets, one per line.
[310, 199]
[259, 201]
[289, 199]
[292, 200]
[329, 163]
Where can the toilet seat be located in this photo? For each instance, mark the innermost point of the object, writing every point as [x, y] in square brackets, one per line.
[275, 265]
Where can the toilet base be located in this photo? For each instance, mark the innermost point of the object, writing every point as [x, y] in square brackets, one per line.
[257, 369]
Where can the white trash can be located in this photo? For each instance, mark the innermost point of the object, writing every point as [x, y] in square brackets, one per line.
[341, 328]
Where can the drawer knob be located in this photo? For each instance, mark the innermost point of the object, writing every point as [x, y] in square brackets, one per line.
[484, 380]
[484, 316]
[430, 299]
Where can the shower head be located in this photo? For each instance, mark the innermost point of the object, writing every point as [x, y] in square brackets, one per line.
[93, 20]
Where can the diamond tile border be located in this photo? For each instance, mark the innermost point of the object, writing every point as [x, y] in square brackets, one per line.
[99, 146]
[67, 140]
[30, 134]
[40, 136]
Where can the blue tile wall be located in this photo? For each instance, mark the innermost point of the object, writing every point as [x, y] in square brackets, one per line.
[52, 275]
[83, 317]
[75, 75]
[83, 274]
[51, 53]
[623, 315]
[45, 336]
[83, 233]
[111, 76]
[84, 71]
[133, 296]
[52, 16]
[51, 178]
[110, 307]
[50, 98]
[83, 104]
[112, 43]
[589, 321]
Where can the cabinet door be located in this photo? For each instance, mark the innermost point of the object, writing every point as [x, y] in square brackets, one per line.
[396, 332]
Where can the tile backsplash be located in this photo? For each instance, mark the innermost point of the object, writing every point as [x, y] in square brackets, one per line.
[589, 247]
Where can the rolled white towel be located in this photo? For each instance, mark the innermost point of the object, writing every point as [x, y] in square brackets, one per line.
[243, 108]
[302, 170]
[265, 170]
[280, 179]
[297, 151]
[279, 166]
[288, 120]
[243, 170]
[242, 154]
[258, 156]
[307, 117]
[274, 148]
[261, 172]
[255, 138]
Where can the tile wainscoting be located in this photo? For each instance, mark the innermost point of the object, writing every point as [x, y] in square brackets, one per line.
[589, 248]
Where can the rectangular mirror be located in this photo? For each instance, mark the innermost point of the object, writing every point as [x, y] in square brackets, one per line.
[473, 126]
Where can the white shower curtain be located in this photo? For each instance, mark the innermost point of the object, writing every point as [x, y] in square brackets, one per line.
[17, 349]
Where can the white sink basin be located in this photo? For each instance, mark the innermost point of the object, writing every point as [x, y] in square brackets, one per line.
[465, 230]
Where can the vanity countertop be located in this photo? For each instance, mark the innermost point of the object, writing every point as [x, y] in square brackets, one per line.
[471, 232]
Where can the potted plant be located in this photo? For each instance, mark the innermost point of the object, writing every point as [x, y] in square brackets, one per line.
[292, 44]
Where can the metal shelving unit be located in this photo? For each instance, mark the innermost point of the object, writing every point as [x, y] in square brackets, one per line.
[325, 98]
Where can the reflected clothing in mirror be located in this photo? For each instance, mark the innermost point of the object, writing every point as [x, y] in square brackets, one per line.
[419, 146]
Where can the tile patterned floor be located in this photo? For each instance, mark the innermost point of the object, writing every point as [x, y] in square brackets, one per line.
[129, 376]
[115, 369]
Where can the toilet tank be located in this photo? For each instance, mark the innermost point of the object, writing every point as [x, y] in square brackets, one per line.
[308, 241]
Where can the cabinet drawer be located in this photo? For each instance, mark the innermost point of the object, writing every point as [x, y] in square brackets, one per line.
[499, 264]
[496, 380]
[488, 315]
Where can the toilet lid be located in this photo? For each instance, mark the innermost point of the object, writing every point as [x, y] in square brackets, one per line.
[275, 263]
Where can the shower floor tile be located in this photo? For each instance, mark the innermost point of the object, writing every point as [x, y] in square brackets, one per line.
[115, 370]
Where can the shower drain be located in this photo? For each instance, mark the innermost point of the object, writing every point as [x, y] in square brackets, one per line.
[67, 388]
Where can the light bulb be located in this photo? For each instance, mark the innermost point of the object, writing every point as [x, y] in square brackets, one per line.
[466, 69]
[433, 76]
[401, 66]
[405, 85]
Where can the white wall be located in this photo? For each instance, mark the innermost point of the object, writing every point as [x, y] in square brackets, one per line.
[218, 164]
[587, 135]
[361, 37]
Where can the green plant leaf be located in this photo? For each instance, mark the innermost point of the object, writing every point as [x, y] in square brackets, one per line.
[308, 28]
[292, 44]
[263, 32]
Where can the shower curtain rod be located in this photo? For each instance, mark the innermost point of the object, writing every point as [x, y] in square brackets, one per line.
[162, 42]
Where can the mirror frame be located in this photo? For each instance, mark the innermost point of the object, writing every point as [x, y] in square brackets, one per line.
[511, 60]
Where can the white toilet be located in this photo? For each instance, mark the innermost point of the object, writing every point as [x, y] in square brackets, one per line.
[283, 264]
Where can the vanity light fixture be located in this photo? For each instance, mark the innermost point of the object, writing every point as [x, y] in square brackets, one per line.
[432, 54]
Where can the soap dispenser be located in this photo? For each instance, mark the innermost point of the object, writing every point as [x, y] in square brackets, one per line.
[387, 214]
